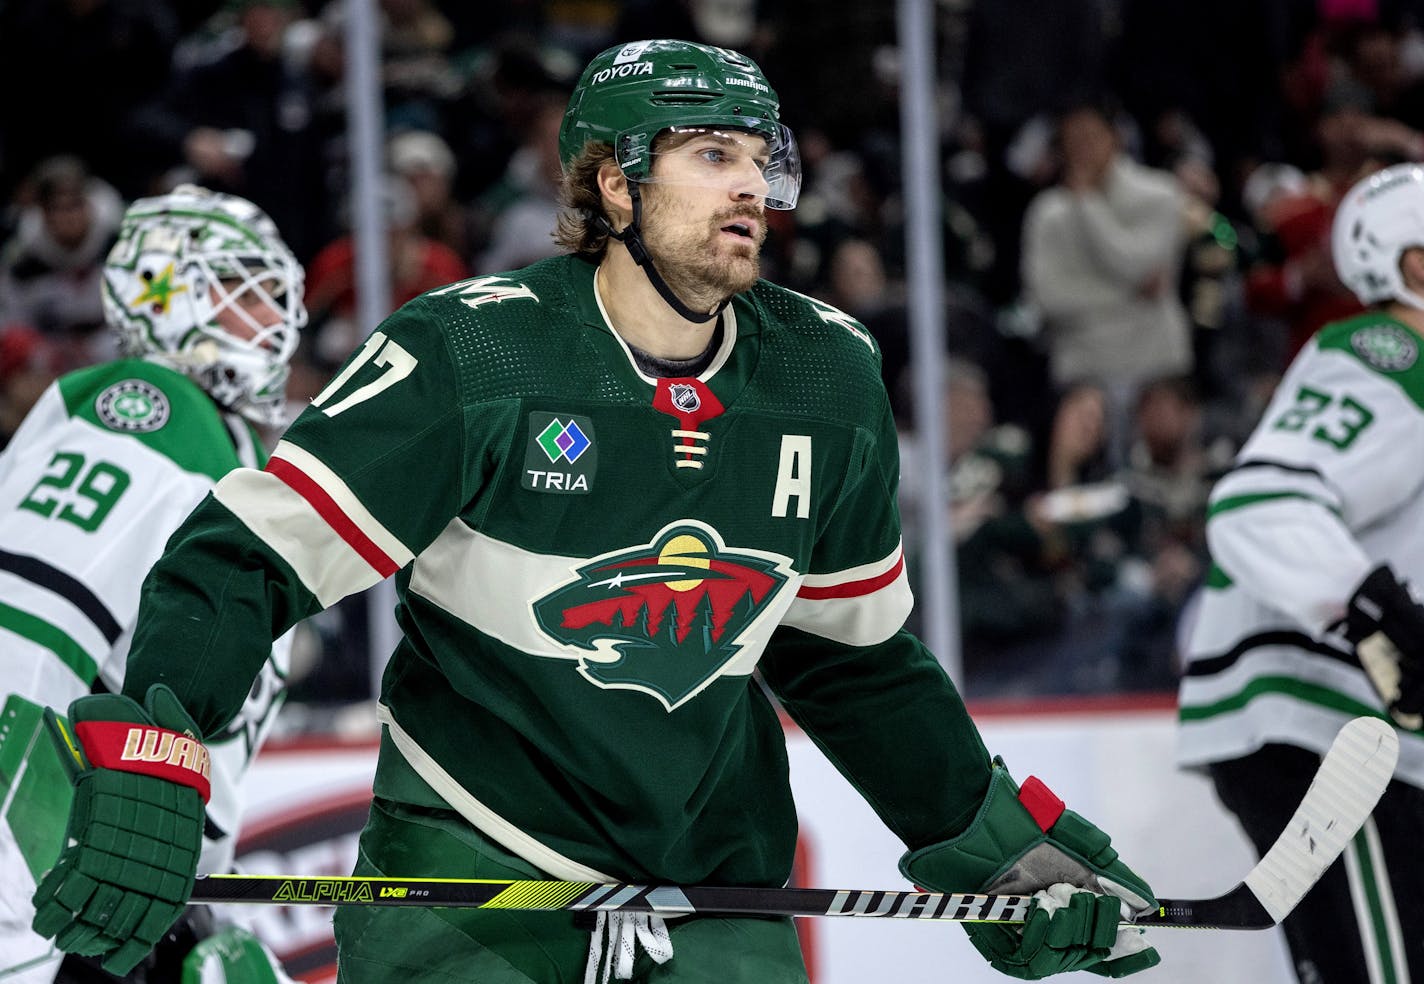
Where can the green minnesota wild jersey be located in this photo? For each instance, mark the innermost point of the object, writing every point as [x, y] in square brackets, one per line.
[590, 564]
[1329, 486]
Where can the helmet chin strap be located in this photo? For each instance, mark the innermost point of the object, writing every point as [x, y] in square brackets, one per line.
[632, 238]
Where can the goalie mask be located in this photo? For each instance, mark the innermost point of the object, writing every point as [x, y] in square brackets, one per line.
[1378, 220]
[202, 282]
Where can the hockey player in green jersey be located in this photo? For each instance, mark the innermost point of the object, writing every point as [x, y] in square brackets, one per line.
[1305, 620]
[611, 486]
[206, 301]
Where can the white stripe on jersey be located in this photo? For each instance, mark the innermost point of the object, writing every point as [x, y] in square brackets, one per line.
[58, 611]
[1279, 661]
[1268, 478]
[286, 522]
[454, 573]
[1371, 891]
[346, 500]
[859, 606]
[481, 817]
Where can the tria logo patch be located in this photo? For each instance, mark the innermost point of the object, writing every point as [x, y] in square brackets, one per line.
[562, 456]
[666, 618]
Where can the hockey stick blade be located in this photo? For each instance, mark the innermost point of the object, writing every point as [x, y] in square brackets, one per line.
[1350, 781]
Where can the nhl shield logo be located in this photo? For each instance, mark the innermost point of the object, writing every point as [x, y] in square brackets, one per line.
[665, 618]
[684, 397]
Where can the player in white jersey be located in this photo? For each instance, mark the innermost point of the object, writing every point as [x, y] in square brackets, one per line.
[207, 302]
[1306, 619]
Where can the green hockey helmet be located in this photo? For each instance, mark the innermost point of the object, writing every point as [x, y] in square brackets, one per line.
[631, 93]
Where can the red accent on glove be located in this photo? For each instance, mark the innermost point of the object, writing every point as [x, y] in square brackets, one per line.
[1040, 802]
[148, 750]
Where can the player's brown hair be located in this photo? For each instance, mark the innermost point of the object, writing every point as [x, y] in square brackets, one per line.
[579, 227]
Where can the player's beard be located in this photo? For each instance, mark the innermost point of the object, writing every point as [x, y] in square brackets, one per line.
[699, 263]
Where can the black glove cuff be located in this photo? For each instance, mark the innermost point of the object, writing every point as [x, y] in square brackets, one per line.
[1380, 603]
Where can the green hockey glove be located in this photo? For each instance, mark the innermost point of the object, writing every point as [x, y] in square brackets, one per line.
[140, 778]
[1386, 625]
[1024, 842]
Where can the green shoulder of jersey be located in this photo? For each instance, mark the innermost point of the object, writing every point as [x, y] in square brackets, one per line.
[522, 324]
[157, 406]
[1382, 344]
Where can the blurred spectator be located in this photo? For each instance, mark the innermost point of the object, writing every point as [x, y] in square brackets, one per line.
[839, 200]
[73, 72]
[1102, 255]
[1172, 464]
[859, 285]
[242, 118]
[417, 264]
[1295, 278]
[508, 81]
[1059, 59]
[1159, 62]
[1077, 447]
[1170, 471]
[1005, 558]
[1211, 288]
[425, 160]
[1376, 57]
[522, 209]
[51, 268]
[418, 78]
[28, 363]
[416, 74]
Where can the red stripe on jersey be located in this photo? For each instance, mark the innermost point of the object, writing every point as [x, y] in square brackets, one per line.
[302, 484]
[854, 589]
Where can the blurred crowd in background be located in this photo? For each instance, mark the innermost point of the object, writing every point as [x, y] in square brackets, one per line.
[1137, 197]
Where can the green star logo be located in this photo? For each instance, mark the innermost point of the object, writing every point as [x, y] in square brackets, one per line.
[160, 291]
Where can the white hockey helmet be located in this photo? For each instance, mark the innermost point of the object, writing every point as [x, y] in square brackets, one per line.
[1379, 219]
[182, 262]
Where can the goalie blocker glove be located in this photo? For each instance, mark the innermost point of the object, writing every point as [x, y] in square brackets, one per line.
[1025, 842]
[1386, 626]
[141, 778]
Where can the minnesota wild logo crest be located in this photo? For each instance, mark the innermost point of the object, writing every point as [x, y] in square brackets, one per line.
[666, 618]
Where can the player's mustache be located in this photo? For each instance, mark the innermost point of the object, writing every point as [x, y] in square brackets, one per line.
[742, 212]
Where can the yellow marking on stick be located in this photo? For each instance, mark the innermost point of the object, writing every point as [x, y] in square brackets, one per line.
[535, 895]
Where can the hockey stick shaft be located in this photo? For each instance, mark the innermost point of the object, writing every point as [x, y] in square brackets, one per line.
[1350, 781]
[663, 900]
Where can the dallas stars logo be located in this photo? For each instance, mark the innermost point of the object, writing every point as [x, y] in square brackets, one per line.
[159, 291]
[666, 618]
[134, 406]
[1385, 347]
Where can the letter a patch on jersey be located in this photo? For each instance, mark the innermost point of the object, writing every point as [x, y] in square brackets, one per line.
[665, 618]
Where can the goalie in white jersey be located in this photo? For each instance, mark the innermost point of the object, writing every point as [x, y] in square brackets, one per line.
[1306, 619]
[207, 302]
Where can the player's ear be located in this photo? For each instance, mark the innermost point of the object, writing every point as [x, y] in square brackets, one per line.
[613, 185]
[1411, 267]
